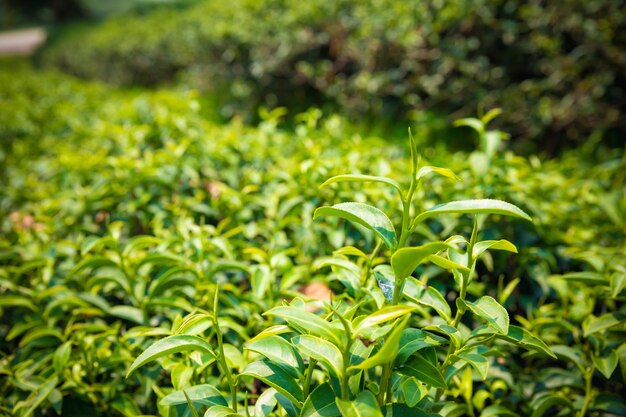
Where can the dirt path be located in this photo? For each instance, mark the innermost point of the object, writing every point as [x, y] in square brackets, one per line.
[21, 42]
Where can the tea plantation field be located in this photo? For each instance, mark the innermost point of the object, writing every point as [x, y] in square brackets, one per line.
[154, 262]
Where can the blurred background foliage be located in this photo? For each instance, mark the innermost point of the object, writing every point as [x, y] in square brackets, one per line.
[556, 68]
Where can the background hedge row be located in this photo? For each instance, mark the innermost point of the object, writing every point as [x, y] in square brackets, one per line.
[556, 68]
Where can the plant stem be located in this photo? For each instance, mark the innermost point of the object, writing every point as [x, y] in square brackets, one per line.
[221, 357]
[588, 391]
[307, 377]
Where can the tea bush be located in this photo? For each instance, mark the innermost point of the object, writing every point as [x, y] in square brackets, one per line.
[556, 69]
[134, 228]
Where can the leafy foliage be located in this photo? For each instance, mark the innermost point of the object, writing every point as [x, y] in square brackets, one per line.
[154, 262]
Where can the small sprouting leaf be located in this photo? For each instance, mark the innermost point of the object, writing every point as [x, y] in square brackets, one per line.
[606, 364]
[278, 350]
[423, 171]
[271, 331]
[362, 178]
[194, 324]
[204, 394]
[472, 122]
[364, 405]
[486, 206]
[306, 321]
[422, 294]
[405, 260]
[424, 370]
[365, 215]
[446, 263]
[321, 350]
[171, 344]
[277, 378]
[477, 361]
[388, 351]
[502, 244]
[386, 280]
[383, 315]
[321, 403]
[488, 309]
[604, 322]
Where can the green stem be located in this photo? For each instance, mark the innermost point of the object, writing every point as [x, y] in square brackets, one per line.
[221, 357]
[307, 377]
[588, 391]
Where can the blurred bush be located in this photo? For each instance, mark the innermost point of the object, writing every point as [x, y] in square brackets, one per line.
[556, 68]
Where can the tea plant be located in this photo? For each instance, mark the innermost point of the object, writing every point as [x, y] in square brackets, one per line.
[363, 352]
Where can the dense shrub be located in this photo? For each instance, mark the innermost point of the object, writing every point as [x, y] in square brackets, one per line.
[555, 68]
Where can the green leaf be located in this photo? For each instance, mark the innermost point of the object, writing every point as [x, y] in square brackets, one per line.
[502, 244]
[61, 357]
[277, 378]
[413, 391]
[477, 361]
[221, 411]
[277, 349]
[486, 206]
[446, 263]
[413, 340]
[383, 315]
[27, 407]
[204, 394]
[194, 324]
[362, 178]
[321, 350]
[321, 403]
[405, 260]
[423, 171]
[365, 215]
[547, 402]
[128, 313]
[266, 403]
[497, 411]
[607, 363]
[424, 370]
[489, 310]
[604, 322]
[422, 294]
[16, 301]
[618, 283]
[386, 280]
[169, 345]
[364, 405]
[523, 338]
[307, 321]
[388, 351]
[174, 277]
[586, 277]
